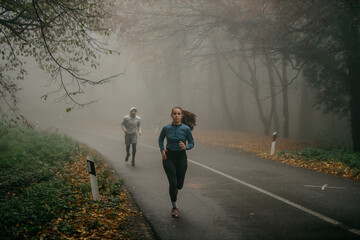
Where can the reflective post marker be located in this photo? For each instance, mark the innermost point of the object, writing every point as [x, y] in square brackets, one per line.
[273, 143]
[93, 179]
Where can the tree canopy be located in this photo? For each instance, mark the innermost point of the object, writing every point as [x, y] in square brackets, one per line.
[326, 38]
[317, 38]
[60, 35]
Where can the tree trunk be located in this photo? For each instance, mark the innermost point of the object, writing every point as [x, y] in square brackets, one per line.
[355, 108]
[252, 83]
[210, 97]
[227, 120]
[273, 111]
[354, 76]
[223, 99]
[240, 117]
[305, 112]
[284, 83]
[266, 122]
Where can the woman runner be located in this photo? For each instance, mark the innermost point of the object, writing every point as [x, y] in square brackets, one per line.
[179, 139]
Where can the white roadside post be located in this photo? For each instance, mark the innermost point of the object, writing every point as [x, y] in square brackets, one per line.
[273, 143]
[93, 179]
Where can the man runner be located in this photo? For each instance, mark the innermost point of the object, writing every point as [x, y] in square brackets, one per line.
[131, 127]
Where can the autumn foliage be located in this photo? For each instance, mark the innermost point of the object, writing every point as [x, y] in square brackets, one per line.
[46, 192]
[110, 218]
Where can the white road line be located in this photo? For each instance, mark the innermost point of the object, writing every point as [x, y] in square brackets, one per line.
[298, 206]
[323, 187]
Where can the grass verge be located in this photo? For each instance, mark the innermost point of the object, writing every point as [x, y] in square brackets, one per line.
[46, 194]
[338, 162]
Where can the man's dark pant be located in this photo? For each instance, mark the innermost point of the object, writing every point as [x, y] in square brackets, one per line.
[133, 151]
[175, 167]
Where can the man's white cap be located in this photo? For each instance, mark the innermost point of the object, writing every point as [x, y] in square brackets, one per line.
[133, 108]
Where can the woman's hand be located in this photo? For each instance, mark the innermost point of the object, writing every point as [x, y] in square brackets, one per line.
[182, 145]
[163, 153]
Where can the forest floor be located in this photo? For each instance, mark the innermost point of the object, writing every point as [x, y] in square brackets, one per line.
[115, 216]
[46, 193]
[260, 145]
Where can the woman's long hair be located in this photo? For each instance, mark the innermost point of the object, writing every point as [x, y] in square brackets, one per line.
[188, 118]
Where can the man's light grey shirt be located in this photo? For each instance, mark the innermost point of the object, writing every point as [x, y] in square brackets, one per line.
[131, 124]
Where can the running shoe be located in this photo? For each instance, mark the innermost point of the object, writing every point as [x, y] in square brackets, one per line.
[175, 213]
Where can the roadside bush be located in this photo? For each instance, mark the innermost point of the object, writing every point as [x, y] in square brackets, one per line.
[31, 157]
[44, 192]
[115, 187]
[351, 159]
[30, 190]
[28, 211]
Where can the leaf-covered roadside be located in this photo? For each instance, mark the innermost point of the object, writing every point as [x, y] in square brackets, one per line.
[45, 191]
[115, 216]
[338, 162]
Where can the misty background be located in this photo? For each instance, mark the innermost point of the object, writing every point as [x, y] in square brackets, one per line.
[220, 104]
[204, 75]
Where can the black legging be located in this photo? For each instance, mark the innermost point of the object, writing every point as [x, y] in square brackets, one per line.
[175, 167]
[133, 150]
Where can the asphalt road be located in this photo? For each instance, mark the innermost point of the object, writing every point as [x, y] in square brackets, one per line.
[232, 195]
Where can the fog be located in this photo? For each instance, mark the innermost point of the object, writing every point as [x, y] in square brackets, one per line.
[155, 82]
[155, 95]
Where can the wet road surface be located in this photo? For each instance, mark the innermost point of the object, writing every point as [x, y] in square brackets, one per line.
[230, 194]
